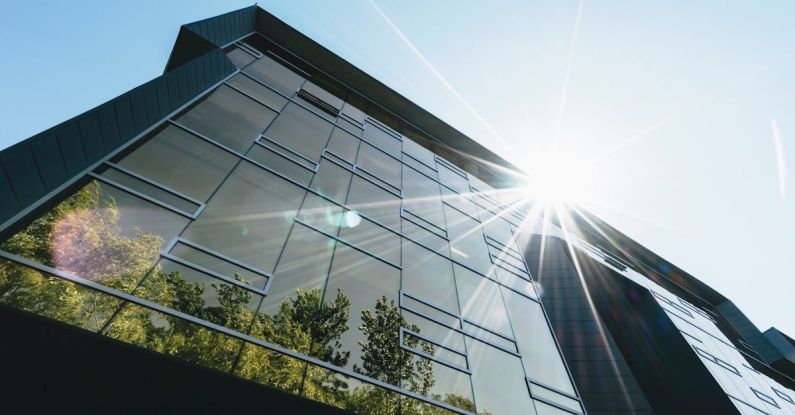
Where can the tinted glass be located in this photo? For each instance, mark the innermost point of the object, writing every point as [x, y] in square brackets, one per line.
[371, 286]
[332, 181]
[374, 202]
[150, 190]
[229, 117]
[379, 164]
[498, 381]
[323, 214]
[481, 301]
[222, 266]
[421, 196]
[259, 92]
[429, 277]
[466, 241]
[275, 75]
[344, 145]
[371, 237]
[382, 140]
[542, 361]
[280, 162]
[181, 161]
[239, 58]
[300, 130]
[249, 217]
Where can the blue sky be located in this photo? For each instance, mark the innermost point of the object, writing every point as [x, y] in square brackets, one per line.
[665, 110]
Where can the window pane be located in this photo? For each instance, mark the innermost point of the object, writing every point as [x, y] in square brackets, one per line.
[379, 164]
[382, 140]
[249, 217]
[374, 202]
[371, 286]
[229, 117]
[418, 152]
[27, 289]
[371, 238]
[441, 382]
[280, 163]
[421, 196]
[100, 233]
[435, 331]
[534, 337]
[201, 295]
[302, 268]
[429, 277]
[322, 95]
[323, 215]
[223, 267]
[498, 381]
[452, 179]
[258, 91]
[466, 241]
[150, 190]
[275, 75]
[344, 145]
[239, 58]
[426, 238]
[459, 202]
[353, 112]
[181, 161]
[481, 301]
[300, 130]
[331, 181]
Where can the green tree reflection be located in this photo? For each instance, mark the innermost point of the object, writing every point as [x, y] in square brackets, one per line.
[81, 235]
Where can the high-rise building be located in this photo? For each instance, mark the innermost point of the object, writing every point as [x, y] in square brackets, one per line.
[266, 227]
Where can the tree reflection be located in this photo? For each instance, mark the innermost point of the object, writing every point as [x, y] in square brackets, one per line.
[81, 235]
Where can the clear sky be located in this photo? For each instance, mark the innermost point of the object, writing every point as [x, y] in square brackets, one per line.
[678, 116]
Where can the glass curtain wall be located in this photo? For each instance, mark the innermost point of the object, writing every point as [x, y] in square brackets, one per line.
[275, 232]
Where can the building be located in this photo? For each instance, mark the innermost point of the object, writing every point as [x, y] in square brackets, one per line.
[266, 227]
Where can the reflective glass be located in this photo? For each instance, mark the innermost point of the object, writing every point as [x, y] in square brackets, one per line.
[302, 269]
[498, 381]
[249, 217]
[421, 197]
[466, 241]
[379, 164]
[428, 277]
[382, 140]
[513, 281]
[481, 301]
[352, 128]
[425, 237]
[259, 92]
[221, 266]
[421, 345]
[323, 214]
[419, 153]
[331, 181]
[229, 118]
[552, 396]
[371, 237]
[542, 361]
[100, 233]
[27, 289]
[239, 58]
[322, 95]
[150, 190]
[281, 163]
[545, 409]
[300, 130]
[275, 75]
[371, 288]
[201, 295]
[452, 179]
[272, 369]
[440, 382]
[374, 202]
[435, 331]
[459, 202]
[489, 337]
[174, 336]
[344, 145]
[181, 161]
[353, 112]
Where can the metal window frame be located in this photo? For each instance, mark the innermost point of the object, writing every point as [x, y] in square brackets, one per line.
[764, 398]
[531, 382]
[403, 331]
[783, 395]
[166, 253]
[718, 361]
[442, 233]
[145, 197]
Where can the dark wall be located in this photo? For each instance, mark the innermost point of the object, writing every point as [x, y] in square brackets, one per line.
[55, 368]
[602, 375]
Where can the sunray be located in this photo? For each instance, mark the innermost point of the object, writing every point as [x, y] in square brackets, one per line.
[567, 76]
[437, 74]
[781, 162]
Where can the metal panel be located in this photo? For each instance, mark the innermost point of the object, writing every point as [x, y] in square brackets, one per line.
[91, 136]
[23, 173]
[71, 148]
[48, 156]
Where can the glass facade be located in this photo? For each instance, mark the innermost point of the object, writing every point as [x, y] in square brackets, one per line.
[276, 232]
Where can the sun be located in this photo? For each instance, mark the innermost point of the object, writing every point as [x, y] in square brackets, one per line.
[555, 177]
